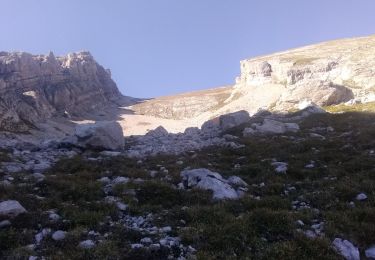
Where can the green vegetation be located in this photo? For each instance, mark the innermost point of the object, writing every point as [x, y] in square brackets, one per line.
[363, 107]
[301, 60]
[261, 225]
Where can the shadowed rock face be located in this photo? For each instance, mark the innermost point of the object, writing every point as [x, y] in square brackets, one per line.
[35, 87]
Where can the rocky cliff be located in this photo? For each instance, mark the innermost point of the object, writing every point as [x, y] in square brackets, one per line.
[36, 87]
[328, 73]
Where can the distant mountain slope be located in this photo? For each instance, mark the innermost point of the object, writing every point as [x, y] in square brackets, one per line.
[186, 105]
[327, 73]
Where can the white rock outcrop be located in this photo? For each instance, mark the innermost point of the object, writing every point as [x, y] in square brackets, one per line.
[37, 87]
[213, 181]
[11, 208]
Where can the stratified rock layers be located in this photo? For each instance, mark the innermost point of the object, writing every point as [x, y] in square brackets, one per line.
[325, 74]
[36, 87]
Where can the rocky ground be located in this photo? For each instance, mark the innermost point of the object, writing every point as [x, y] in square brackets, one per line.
[273, 187]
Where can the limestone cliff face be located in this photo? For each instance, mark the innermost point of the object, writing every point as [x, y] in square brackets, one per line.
[328, 73]
[36, 87]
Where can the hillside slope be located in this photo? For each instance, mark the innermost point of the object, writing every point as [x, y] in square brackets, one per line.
[327, 73]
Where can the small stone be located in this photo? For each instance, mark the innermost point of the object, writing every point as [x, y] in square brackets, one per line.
[58, 235]
[280, 167]
[153, 174]
[120, 180]
[87, 244]
[104, 180]
[41, 235]
[300, 222]
[154, 247]
[5, 223]
[310, 234]
[166, 229]
[136, 246]
[121, 206]
[361, 197]
[54, 217]
[146, 241]
[110, 153]
[191, 250]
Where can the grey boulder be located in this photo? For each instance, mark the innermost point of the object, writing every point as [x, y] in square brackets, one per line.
[213, 181]
[11, 208]
[105, 135]
[346, 249]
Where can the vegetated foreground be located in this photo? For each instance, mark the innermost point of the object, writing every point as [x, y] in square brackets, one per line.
[290, 211]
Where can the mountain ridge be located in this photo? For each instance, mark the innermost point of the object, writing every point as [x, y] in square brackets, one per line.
[37, 87]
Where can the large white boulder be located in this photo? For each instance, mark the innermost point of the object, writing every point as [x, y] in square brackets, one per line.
[11, 208]
[106, 135]
[346, 249]
[213, 181]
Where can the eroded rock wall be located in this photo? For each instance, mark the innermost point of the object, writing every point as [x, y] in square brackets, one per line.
[36, 87]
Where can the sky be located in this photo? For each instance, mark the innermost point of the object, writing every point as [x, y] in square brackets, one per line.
[163, 47]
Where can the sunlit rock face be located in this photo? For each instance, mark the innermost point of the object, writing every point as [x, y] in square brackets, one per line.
[35, 87]
[325, 74]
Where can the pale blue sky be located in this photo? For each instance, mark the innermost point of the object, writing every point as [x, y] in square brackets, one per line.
[159, 47]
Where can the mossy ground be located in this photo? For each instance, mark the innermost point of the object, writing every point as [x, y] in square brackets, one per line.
[248, 228]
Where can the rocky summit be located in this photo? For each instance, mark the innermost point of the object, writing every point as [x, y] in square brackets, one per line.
[37, 87]
[327, 74]
[278, 166]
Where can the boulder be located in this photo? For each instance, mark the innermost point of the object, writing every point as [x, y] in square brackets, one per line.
[87, 244]
[361, 197]
[346, 249]
[157, 132]
[370, 252]
[280, 167]
[58, 235]
[11, 208]
[233, 119]
[104, 135]
[213, 181]
[270, 126]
